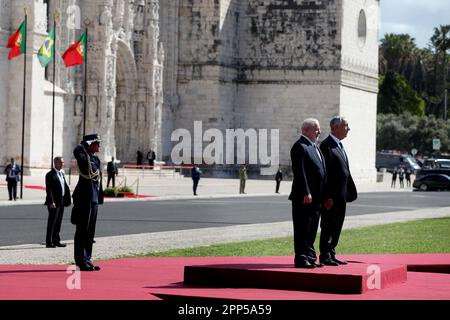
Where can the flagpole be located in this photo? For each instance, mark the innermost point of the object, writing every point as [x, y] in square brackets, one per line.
[54, 73]
[24, 102]
[86, 23]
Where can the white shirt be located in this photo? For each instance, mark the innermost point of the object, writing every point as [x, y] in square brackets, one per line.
[12, 174]
[60, 175]
[315, 146]
[340, 145]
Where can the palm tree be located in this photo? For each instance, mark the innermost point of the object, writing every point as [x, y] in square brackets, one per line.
[399, 53]
[440, 42]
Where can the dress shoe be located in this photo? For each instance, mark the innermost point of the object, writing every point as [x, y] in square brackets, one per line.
[317, 265]
[85, 267]
[329, 262]
[50, 245]
[304, 265]
[90, 264]
[342, 262]
[61, 245]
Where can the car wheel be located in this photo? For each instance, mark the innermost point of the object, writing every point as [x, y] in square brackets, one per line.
[423, 187]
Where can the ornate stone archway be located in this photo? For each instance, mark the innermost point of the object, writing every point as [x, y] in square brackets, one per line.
[126, 105]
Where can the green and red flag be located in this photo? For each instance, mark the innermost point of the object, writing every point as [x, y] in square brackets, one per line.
[45, 54]
[17, 42]
[76, 54]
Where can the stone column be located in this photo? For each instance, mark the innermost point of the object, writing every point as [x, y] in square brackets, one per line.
[101, 88]
[5, 12]
[37, 126]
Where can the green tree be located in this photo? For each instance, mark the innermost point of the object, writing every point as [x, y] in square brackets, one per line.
[440, 44]
[398, 51]
[396, 96]
[406, 131]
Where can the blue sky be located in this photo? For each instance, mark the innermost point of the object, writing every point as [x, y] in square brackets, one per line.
[415, 17]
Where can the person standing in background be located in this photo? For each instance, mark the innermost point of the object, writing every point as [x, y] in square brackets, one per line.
[12, 171]
[112, 173]
[242, 179]
[278, 179]
[58, 197]
[195, 174]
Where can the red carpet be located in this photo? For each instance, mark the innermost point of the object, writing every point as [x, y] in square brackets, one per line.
[162, 278]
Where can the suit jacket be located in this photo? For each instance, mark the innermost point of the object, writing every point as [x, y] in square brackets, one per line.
[195, 173]
[151, 155]
[54, 190]
[279, 176]
[112, 168]
[340, 185]
[309, 172]
[17, 171]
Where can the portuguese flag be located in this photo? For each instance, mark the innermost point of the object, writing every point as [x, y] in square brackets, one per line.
[17, 42]
[45, 54]
[76, 54]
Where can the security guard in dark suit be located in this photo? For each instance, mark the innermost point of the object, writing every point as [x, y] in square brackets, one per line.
[88, 195]
[58, 197]
[12, 171]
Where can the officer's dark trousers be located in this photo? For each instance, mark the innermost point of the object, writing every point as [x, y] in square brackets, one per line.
[278, 186]
[306, 222]
[54, 221]
[84, 234]
[331, 227]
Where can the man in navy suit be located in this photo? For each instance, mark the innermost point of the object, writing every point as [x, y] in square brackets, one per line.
[340, 190]
[12, 171]
[307, 193]
[58, 197]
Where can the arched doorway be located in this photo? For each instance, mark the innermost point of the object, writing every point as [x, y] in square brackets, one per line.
[125, 114]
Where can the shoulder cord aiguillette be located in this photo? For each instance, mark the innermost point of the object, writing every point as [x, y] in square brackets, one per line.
[94, 176]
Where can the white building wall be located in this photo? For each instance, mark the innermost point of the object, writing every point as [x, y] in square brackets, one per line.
[4, 70]
[282, 107]
[359, 108]
[358, 97]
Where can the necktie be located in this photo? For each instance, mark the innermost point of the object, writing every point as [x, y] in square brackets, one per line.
[343, 151]
[318, 152]
[61, 180]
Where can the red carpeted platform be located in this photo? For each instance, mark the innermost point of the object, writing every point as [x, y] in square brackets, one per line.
[162, 278]
[354, 278]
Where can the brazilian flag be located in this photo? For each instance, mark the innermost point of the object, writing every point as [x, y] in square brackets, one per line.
[45, 54]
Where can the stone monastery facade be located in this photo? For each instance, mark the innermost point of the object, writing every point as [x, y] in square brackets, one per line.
[157, 66]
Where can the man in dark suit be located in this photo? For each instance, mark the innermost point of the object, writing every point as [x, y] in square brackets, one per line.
[278, 179]
[58, 197]
[140, 156]
[88, 195]
[151, 156]
[340, 190]
[195, 174]
[12, 171]
[307, 193]
[112, 172]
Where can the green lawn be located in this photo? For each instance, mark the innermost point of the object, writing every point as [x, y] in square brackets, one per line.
[422, 236]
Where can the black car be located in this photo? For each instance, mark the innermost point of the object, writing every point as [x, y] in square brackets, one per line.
[432, 182]
[426, 172]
